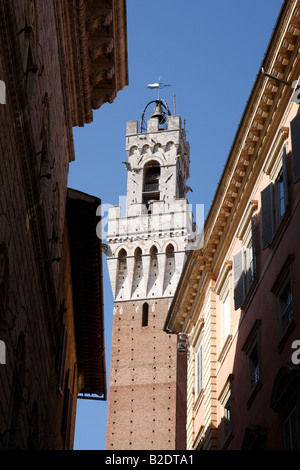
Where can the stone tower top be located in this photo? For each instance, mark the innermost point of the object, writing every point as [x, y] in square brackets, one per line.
[158, 161]
[158, 217]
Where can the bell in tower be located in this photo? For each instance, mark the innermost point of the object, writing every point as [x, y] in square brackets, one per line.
[159, 113]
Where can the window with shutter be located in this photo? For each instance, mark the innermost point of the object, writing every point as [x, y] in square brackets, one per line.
[283, 289]
[280, 201]
[282, 190]
[252, 350]
[274, 203]
[239, 279]
[226, 400]
[295, 136]
[199, 371]
[267, 215]
[254, 367]
[285, 179]
[254, 247]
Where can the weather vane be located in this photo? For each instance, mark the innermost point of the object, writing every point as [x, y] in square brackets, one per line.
[157, 86]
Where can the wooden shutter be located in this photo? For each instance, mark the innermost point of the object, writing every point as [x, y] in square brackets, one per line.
[267, 215]
[285, 179]
[239, 278]
[295, 135]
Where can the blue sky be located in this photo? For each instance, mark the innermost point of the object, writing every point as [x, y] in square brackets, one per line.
[210, 52]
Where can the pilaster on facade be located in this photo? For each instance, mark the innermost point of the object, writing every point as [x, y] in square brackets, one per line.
[202, 370]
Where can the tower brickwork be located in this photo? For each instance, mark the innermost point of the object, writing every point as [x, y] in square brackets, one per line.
[147, 250]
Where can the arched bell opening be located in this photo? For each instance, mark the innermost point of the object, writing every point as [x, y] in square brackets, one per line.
[151, 190]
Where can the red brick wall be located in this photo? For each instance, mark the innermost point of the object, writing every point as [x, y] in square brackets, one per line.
[143, 389]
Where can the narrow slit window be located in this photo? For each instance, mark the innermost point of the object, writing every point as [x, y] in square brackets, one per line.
[145, 316]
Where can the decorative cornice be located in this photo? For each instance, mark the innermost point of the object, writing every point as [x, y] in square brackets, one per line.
[261, 107]
[96, 44]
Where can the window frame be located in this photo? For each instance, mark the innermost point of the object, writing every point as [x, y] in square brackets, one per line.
[196, 343]
[199, 366]
[248, 236]
[287, 421]
[225, 397]
[285, 277]
[252, 343]
[226, 316]
[225, 294]
[271, 218]
[286, 308]
[280, 198]
[295, 132]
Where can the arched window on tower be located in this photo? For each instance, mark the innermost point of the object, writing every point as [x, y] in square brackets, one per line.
[151, 191]
[153, 284]
[137, 273]
[122, 262]
[138, 255]
[145, 316]
[170, 252]
[122, 272]
[170, 274]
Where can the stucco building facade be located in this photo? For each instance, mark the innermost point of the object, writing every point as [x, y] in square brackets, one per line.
[59, 61]
[238, 297]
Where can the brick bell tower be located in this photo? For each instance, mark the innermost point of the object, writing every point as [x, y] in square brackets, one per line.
[146, 253]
